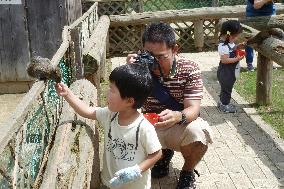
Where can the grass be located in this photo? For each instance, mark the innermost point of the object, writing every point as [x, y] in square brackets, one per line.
[273, 114]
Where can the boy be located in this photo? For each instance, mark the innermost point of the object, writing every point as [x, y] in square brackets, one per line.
[131, 143]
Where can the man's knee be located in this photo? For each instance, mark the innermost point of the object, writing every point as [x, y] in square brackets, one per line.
[198, 131]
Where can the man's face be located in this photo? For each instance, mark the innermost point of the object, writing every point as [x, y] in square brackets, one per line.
[163, 53]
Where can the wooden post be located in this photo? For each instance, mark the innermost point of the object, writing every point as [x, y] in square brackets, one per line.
[75, 37]
[264, 80]
[198, 35]
[141, 5]
[215, 3]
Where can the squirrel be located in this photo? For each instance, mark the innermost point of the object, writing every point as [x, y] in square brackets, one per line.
[42, 69]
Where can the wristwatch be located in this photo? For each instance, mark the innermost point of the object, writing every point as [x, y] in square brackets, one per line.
[183, 119]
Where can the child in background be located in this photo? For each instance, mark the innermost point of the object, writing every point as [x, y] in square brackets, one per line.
[229, 65]
[131, 143]
[257, 8]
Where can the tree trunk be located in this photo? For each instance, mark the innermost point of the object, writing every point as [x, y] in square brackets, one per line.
[264, 80]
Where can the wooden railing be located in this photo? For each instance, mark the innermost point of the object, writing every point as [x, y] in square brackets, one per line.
[27, 139]
[196, 29]
[117, 7]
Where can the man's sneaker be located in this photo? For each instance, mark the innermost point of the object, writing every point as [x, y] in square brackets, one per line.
[230, 108]
[161, 168]
[186, 180]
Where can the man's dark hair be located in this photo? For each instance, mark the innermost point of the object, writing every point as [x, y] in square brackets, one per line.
[159, 33]
[133, 80]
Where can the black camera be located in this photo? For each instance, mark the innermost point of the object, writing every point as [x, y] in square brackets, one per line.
[145, 57]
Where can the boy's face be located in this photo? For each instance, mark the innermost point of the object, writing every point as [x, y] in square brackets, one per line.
[163, 53]
[114, 100]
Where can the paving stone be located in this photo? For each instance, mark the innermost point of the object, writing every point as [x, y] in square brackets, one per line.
[241, 181]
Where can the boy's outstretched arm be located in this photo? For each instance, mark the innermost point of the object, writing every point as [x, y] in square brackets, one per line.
[78, 105]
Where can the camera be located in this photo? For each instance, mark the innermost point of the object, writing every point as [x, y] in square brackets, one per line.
[145, 57]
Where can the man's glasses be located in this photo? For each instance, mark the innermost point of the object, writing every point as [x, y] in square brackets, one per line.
[162, 56]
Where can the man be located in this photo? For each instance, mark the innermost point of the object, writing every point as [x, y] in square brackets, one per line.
[179, 128]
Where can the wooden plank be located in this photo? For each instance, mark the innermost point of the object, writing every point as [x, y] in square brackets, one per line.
[75, 37]
[14, 51]
[97, 41]
[74, 158]
[46, 20]
[13, 124]
[185, 14]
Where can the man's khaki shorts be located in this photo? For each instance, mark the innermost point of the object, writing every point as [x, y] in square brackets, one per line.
[181, 135]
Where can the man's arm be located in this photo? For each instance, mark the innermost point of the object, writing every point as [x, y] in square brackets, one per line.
[78, 105]
[169, 118]
[191, 110]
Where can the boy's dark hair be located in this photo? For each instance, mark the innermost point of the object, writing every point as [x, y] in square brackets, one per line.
[230, 27]
[159, 33]
[133, 80]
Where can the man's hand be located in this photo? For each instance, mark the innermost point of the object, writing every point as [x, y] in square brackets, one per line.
[126, 175]
[168, 118]
[131, 58]
[61, 89]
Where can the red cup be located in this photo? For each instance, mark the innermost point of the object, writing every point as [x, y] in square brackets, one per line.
[152, 117]
[240, 53]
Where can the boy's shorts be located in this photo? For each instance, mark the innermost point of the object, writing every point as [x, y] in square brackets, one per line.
[182, 135]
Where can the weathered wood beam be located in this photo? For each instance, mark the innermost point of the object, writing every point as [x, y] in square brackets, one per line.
[74, 158]
[97, 41]
[264, 22]
[270, 47]
[10, 128]
[95, 53]
[184, 14]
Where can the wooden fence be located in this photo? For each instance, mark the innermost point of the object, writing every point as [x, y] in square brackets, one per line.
[42, 129]
[32, 28]
[195, 28]
[117, 7]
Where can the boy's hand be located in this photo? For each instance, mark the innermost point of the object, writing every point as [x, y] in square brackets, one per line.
[61, 89]
[126, 175]
[131, 58]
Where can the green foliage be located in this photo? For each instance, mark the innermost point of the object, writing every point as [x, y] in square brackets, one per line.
[273, 114]
[156, 5]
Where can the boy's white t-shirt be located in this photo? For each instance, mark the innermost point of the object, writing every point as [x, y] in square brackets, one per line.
[126, 146]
